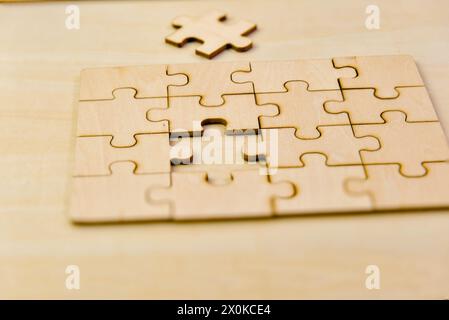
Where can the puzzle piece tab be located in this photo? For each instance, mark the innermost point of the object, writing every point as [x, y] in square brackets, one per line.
[149, 81]
[122, 118]
[151, 154]
[391, 190]
[284, 149]
[364, 107]
[406, 143]
[301, 109]
[382, 73]
[249, 194]
[319, 188]
[239, 112]
[121, 196]
[270, 76]
[209, 80]
[212, 32]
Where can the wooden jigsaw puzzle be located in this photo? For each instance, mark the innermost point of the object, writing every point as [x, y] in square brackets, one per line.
[275, 138]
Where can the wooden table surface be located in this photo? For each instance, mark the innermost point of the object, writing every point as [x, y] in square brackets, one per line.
[301, 257]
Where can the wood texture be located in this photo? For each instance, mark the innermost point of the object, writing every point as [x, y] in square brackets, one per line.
[212, 91]
[249, 194]
[122, 118]
[405, 143]
[270, 76]
[301, 109]
[210, 30]
[371, 71]
[315, 257]
[363, 106]
[284, 149]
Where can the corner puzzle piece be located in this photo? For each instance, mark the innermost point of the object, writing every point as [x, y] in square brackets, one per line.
[149, 81]
[406, 143]
[151, 154]
[248, 195]
[364, 107]
[383, 73]
[239, 112]
[121, 196]
[282, 148]
[270, 76]
[216, 153]
[122, 118]
[319, 188]
[391, 190]
[214, 35]
[301, 109]
[209, 80]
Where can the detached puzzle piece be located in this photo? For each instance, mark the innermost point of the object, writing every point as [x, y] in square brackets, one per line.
[239, 112]
[319, 188]
[270, 76]
[151, 154]
[209, 80]
[122, 118]
[406, 143]
[214, 35]
[301, 109]
[284, 148]
[382, 73]
[121, 196]
[249, 194]
[149, 81]
[364, 107]
[390, 190]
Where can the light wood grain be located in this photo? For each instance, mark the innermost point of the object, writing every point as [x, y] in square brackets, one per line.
[307, 257]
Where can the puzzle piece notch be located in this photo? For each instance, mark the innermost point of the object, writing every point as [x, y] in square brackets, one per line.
[301, 109]
[150, 81]
[211, 92]
[383, 73]
[364, 107]
[122, 196]
[283, 149]
[408, 144]
[151, 154]
[391, 190]
[320, 188]
[216, 153]
[271, 76]
[239, 113]
[214, 35]
[250, 193]
[122, 118]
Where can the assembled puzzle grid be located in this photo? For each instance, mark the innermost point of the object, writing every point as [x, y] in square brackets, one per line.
[353, 134]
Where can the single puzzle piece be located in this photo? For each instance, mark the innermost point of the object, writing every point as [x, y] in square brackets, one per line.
[319, 188]
[209, 80]
[151, 154]
[214, 35]
[215, 153]
[382, 73]
[364, 107]
[121, 196]
[248, 195]
[301, 109]
[239, 112]
[121, 118]
[406, 143]
[282, 148]
[149, 81]
[270, 76]
[391, 190]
